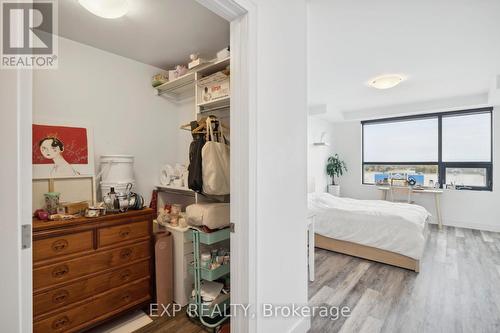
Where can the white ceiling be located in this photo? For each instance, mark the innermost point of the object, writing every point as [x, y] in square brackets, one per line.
[449, 49]
[161, 33]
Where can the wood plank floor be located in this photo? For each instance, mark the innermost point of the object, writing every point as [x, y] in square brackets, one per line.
[457, 289]
[178, 324]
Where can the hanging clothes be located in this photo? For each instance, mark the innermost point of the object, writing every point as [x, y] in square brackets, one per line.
[195, 178]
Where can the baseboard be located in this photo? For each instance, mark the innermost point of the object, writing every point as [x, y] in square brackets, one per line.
[468, 225]
[302, 326]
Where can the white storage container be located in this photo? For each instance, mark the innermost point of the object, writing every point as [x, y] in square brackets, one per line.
[117, 169]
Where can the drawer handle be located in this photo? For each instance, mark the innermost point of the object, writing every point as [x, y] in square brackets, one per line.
[59, 245]
[124, 233]
[60, 271]
[60, 296]
[125, 254]
[126, 298]
[60, 322]
[125, 275]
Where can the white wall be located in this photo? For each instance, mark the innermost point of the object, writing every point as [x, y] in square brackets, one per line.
[281, 274]
[114, 96]
[471, 209]
[317, 155]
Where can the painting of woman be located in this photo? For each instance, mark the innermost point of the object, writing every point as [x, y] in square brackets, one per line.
[61, 151]
[52, 148]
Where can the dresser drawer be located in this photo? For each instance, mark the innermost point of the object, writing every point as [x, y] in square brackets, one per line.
[98, 308]
[58, 246]
[120, 233]
[67, 270]
[79, 290]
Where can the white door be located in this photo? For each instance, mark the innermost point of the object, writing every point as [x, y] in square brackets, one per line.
[15, 200]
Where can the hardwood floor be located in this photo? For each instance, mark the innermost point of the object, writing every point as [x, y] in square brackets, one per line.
[178, 324]
[457, 289]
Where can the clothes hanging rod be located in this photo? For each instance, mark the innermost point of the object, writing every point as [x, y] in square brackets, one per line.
[215, 108]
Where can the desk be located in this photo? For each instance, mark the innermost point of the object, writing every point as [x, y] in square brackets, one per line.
[310, 245]
[436, 192]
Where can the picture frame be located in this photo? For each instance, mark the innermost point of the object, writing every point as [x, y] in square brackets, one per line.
[62, 150]
[72, 189]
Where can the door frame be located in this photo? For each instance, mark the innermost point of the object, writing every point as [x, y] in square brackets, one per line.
[16, 307]
[242, 16]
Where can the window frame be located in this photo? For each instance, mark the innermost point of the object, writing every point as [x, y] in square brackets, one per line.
[488, 166]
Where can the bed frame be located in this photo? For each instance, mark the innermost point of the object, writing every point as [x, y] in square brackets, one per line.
[367, 252]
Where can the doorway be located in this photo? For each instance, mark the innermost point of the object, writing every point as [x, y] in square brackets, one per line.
[241, 16]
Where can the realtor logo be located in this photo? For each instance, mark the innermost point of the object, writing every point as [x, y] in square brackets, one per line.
[29, 34]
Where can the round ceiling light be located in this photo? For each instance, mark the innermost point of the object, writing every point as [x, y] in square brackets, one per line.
[386, 81]
[110, 9]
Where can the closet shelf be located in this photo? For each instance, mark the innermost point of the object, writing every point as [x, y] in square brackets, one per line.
[218, 104]
[183, 87]
[213, 67]
[169, 188]
[212, 237]
[212, 274]
[178, 89]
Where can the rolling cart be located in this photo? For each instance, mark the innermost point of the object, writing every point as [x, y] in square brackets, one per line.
[217, 312]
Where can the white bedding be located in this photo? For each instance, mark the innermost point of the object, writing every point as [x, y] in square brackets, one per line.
[395, 227]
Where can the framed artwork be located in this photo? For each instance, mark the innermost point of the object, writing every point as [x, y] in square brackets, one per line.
[72, 189]
[61, 151]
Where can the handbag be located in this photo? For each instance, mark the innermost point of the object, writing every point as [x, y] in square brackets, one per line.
[195, 178]
[215, 163]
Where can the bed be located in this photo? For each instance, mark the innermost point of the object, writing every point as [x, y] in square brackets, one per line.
[387, 232]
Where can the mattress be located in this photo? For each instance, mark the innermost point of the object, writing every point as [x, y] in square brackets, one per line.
[395, 227]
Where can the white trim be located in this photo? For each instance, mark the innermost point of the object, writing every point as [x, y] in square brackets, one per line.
[243, 244]
[16, 307]
[25, 114]
[469, 225]
[242, 14]
[227, 9]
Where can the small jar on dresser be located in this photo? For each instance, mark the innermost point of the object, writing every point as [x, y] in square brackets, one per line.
[88, 270]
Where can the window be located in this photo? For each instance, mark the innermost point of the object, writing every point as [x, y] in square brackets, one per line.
[453, 148]
[395, 141]
[467, 138]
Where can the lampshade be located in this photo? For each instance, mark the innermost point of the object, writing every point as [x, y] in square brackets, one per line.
[386, 81]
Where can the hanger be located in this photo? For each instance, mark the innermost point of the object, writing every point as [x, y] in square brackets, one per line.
[202, 125]
[186, 127]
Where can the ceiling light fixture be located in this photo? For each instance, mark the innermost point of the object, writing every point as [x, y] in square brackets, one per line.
[110, 9]
[386, 81]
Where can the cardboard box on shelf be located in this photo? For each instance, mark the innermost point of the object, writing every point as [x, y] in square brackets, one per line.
[214, 87]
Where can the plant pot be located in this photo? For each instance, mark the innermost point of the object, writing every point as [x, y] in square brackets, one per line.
[334, 190]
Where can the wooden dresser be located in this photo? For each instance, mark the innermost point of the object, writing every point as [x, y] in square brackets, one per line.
[88, 270]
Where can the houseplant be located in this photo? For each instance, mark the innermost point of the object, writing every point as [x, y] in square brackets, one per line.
[335, 167]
